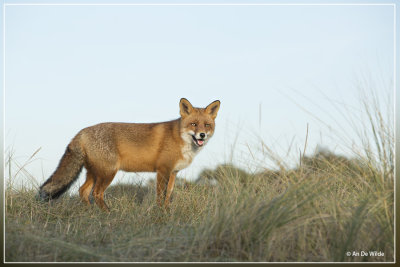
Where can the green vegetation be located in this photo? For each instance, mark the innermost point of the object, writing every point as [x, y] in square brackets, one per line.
[317, 212]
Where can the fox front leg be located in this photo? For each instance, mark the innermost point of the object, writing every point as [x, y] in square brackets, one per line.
[170, 188]
[162, 182]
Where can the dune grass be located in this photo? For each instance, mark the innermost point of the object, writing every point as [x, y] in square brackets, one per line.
[321, 210]
[312, 213]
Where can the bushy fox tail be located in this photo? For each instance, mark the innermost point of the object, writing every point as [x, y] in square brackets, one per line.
[66, 173]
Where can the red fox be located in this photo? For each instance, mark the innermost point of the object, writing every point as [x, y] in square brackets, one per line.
[105, 148]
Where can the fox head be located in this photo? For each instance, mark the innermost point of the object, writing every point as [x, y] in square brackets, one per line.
[197, 124]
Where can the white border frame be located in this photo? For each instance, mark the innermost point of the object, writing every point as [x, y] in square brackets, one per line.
[205, 4]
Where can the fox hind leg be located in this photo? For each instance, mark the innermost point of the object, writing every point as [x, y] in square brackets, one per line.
[102, 182]
[86, 189]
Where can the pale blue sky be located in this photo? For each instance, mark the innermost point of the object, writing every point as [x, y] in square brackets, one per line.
[69, 67]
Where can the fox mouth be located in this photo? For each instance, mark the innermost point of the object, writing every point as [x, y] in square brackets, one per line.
[198, 142]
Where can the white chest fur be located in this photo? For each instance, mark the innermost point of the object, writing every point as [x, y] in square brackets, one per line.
[188, 153]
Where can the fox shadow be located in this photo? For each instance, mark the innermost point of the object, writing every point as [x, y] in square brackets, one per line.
[136, 192]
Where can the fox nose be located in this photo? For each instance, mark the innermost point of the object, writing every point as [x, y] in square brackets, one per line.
[202, 135]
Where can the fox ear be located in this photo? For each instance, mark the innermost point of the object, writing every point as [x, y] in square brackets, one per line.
[213, 108]
[185, 107]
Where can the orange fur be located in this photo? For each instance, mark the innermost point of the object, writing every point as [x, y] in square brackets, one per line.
[105, 148]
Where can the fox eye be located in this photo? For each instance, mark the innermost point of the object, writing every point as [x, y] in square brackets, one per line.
[207, 125]
[194, 124]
